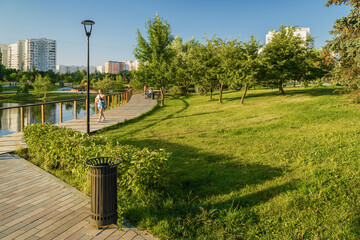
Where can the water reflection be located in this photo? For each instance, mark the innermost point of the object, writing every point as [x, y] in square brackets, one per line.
[10, 118]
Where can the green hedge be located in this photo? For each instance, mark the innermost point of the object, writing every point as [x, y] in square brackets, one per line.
[63, 152]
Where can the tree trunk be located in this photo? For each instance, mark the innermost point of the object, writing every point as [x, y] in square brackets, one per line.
[281, 89]
[162, 97]
[294, 83]
[243, 96]
[211, 91]
[220, 93]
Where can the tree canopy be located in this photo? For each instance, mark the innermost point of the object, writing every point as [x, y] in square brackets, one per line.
[284, 55]
[155, 55]
[346, 44]
[42, 85]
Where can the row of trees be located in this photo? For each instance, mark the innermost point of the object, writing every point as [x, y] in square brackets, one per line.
[166, 61]
[76, 78]
[44, 81]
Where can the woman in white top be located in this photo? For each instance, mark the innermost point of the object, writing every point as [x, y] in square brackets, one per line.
[100, 101]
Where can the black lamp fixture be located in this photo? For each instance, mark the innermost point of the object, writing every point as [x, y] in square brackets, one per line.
[88, 28]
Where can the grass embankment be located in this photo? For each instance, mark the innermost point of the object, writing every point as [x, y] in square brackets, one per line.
[277, 167]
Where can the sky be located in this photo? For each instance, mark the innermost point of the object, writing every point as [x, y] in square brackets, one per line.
[114, 35]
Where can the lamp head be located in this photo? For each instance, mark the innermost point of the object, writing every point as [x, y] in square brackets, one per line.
[88, 23]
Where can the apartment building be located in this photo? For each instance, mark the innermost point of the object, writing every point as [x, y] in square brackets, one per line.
[100, 69]
[116, 67]
[304, 33]
[132, 65]
[4, 54]
[16, 55]
[40, 53]
[71, 69]
[25, 54]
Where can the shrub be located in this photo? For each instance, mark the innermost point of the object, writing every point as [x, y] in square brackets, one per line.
[63, 152]
[201, 90]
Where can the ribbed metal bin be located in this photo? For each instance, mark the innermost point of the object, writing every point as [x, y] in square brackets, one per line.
[103, 190]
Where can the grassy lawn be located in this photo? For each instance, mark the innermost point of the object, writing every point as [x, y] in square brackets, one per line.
[278, 167]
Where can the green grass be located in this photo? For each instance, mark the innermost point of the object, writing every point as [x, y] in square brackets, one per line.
[277, 167]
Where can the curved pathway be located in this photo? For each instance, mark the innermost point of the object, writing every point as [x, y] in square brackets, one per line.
[36, 205]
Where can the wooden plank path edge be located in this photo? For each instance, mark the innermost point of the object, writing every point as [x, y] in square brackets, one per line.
[36, 205]
[137, 106]
[49, 208]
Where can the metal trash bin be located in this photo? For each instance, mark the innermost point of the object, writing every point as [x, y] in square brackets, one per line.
[103, 190]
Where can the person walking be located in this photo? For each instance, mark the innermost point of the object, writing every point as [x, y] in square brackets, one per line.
[100, 101]
[151, 93]
[145, 91]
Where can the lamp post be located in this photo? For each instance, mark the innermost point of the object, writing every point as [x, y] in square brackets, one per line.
[88, 24]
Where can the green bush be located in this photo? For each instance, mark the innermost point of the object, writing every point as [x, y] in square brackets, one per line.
[201, 90]
[63, 152]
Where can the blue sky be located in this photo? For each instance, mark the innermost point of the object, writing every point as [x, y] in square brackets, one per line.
[114, 33]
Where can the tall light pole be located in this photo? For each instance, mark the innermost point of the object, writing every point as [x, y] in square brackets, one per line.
[88, 24]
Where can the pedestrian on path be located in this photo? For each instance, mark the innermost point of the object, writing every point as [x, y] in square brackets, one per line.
[145, 91]
[100, 101]
[151, 93]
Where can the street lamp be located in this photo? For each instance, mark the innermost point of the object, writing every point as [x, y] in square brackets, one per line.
[88, 24]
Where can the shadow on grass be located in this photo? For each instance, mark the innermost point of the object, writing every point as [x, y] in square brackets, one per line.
[204, 190]
[203, 187]
[206, 174]
[316, 92]
[259, 197]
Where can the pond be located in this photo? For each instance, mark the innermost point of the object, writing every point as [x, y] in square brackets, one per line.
[10, 118]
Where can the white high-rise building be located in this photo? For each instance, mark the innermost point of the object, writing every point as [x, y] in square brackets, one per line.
[100, 69]
[40, 53]
[25, 54]
[131, 65]
[304, 33]
[16, 55]
[4, 54]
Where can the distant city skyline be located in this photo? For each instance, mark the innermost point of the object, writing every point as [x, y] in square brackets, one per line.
[114, 33]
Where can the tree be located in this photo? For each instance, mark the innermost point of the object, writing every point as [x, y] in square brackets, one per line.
[205, 64]
[284, 55]
[251, 65]
[345, 44]
[42, 85]
[126, 76]
[109, 84]
[325, 62]
[155, 55]
[77, 77]
[181, 73]
[2, 72]
[15, 76]
[24, 85]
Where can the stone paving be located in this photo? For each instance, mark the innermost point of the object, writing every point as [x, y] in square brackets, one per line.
[36, 205]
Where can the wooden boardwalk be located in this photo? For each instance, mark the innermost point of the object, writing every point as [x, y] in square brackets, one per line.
[36, 205]
[134, 108]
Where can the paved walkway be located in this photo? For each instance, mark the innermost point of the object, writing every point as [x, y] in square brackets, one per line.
[36, 205]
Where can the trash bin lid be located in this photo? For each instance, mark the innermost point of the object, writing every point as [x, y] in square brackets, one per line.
[103, 162]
